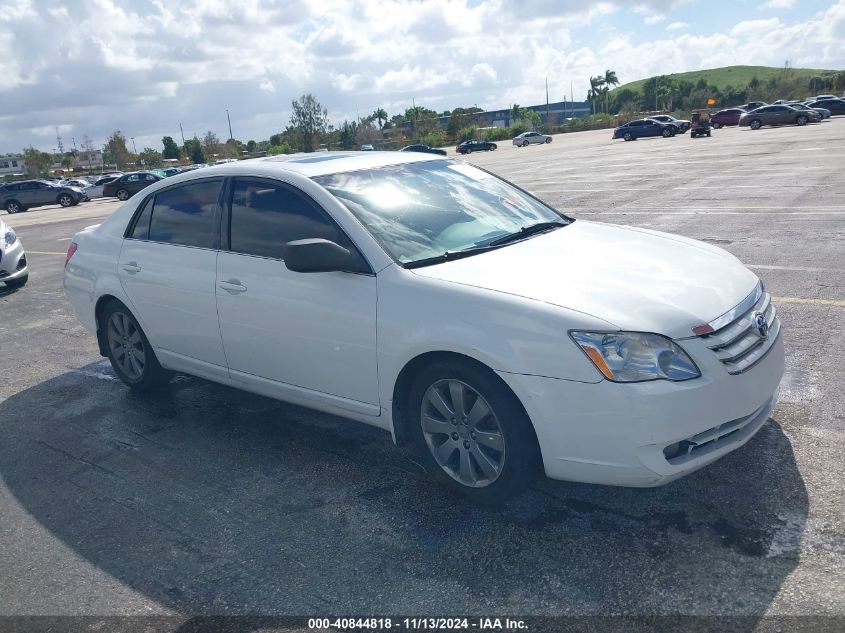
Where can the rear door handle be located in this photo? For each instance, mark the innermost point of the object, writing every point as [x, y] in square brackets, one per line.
[233, 286]
[132, 268]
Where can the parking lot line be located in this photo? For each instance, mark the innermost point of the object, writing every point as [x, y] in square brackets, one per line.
[815, 302]
[44, 253]
[803, 269]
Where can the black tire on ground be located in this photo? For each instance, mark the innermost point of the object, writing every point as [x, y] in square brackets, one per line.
[153, 376]
[756, 124]
[716, 126]
[628, 136]
[549, 140]
[20, 282]
[122, 195]
[801, 120]
[520, 454]
[13, 206]
[667, 133]
[66, 200]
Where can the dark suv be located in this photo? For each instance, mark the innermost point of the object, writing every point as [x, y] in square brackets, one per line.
[128, 185]
[17, 197]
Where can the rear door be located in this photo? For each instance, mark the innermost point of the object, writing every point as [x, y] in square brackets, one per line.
[168, 268]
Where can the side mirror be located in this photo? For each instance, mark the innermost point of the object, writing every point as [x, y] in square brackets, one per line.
[317, 255]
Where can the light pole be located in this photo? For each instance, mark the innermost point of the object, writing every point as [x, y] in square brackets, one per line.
[230, 123]
[134, 149]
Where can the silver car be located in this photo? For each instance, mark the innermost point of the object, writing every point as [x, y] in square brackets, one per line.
[13, 268]
[531, 138]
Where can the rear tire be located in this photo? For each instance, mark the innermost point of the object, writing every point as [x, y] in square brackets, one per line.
[129, 352]
[13, 206]
[20, 282]
[471, 431]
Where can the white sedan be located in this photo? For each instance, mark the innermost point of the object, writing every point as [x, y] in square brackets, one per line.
[531, 138]
[427, 297]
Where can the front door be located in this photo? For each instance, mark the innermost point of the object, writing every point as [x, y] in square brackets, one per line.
[312, 332]
[167, 268]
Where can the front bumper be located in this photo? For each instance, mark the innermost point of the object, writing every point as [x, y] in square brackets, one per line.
[648, 434]
[13, 264]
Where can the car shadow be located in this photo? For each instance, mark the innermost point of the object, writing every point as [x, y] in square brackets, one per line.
[5, 290]
[213, 501]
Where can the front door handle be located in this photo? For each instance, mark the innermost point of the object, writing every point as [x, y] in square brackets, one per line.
[132, 268]
[233, 286]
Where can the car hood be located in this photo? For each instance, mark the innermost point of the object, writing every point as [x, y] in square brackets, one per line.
[636, 279]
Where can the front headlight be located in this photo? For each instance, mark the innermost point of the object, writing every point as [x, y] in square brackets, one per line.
[636, 356]
[10, 237]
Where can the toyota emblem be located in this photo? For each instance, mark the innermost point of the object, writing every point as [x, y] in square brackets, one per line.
[760, 324]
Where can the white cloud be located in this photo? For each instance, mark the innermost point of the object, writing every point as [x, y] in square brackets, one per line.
[101, 65]
[677, 26]
[779, 4]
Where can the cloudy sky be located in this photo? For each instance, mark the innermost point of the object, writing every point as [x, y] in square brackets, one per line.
[145, 66]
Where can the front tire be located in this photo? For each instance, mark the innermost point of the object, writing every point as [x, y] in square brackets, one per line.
[755, 124]
[122, 195]
[548, 140]
[471, 432]
[716, 126]
[525, 143]
[628, 136]
[129, 352]
[667, 133]
[65, 200]
[801, 120]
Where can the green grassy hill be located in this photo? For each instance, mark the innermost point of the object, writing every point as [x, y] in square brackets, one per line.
[736, 76]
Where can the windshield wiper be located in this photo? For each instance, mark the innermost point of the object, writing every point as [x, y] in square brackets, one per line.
[526, 231]
[447, 257]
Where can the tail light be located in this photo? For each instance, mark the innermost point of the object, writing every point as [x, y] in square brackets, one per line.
[70, 251]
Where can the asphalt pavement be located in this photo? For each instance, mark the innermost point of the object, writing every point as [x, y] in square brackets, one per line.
[206, 500]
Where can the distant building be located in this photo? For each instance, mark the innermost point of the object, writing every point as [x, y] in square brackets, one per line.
[553, 113]
[12, 165]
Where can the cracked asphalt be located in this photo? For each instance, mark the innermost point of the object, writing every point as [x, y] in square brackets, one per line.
[206, 500]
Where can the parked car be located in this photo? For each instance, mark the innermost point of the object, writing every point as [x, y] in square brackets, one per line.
[20, 196]
[531, 138]
[128, 185]
[642, 128]
[800, 106]
[682, 125]
[327, 293]
[778, 115]
[836, 106]
[752, 105]
[468, 147]
[172, 171]
[728, 116]
[14, 271]
[425, 149]
[366, 147]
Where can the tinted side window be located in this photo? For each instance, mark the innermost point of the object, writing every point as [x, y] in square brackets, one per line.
[265, 217]
[185, 215]
[141, 230]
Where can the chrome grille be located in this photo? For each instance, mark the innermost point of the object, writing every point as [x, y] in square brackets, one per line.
[736, 340]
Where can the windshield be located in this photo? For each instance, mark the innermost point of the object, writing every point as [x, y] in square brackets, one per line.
[422, 210]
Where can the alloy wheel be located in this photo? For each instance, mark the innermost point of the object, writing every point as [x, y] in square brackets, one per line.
[126, 345]
[463, 433]
[13, 207]
[123, 195]
[65, 200]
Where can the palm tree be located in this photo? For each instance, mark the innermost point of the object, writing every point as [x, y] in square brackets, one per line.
[610, 80]
[517, 113]
[595, 90]
[380, 115]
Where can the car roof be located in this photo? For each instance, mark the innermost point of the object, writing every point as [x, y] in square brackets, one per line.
[309, 165]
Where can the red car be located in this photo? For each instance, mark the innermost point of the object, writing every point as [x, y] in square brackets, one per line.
[726, 117]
